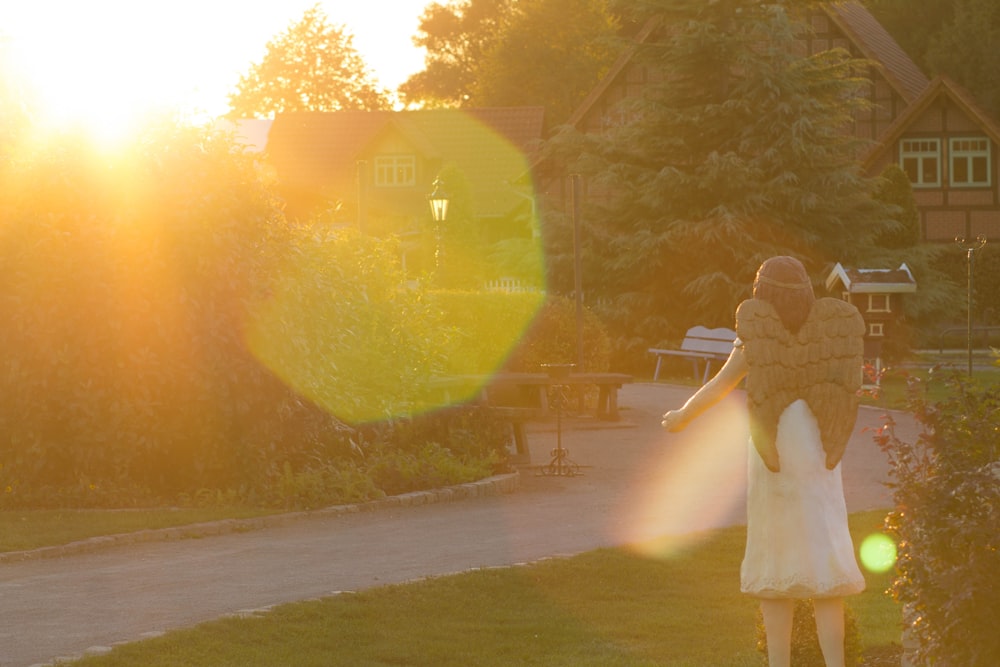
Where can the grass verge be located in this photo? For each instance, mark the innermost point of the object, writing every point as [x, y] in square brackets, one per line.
[31, 529]
[607, 608]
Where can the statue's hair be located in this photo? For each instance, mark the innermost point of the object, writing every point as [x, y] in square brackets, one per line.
[783, 282]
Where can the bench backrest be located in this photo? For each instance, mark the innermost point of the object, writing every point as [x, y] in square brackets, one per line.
[714, 341]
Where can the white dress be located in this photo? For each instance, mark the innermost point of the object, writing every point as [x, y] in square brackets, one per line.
[798, 544]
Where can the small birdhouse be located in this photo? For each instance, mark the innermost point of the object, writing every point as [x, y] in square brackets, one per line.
[878, 296]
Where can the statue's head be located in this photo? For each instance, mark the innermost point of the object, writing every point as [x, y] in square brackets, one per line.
[783, 282]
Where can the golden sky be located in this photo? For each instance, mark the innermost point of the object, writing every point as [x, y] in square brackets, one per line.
[103, 62]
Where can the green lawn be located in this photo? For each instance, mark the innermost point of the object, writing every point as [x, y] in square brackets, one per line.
[610, 607]
[30, 529]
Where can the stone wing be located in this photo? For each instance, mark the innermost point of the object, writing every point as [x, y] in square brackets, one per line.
[837, 330]
[768, 385]
[821, 363]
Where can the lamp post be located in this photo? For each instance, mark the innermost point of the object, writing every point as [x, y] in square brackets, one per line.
[970, 248]
[438, 200]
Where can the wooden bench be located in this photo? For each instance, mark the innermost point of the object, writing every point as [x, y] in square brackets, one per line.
[700, 344]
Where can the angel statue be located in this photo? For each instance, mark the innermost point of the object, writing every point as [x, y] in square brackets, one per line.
[802, 360]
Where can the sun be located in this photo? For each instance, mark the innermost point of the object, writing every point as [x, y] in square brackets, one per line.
[101, 86]
[107, 65]
[59, 98]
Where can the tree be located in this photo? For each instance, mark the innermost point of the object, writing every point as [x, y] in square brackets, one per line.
[894, 188]
[456, 37]
[965, 49]
[914, 24]
[734, 152]
[953, 37]
[574, 39]
[548, 53]
[312, 66]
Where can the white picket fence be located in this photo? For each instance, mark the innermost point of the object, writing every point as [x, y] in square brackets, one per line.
[509, 285]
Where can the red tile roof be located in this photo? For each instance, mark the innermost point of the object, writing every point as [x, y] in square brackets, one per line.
[877, 45]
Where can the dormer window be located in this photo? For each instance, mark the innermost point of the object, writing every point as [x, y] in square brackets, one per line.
[970, 162]
[921, 160]
[395, 171]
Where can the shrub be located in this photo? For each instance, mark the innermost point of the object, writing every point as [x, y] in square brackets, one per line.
[125, 283]
[946, 488]
[170, 337]
[485, 327]
[398, 471]
[805, 643]
[343, 329]
[551, 339]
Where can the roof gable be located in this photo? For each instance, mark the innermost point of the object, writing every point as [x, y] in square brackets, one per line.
[852, 19]
[872, 281]
[940, 87]
[617, 69]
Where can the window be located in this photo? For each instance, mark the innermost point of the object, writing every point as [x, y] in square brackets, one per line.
[876, 329]
[878, 303]
[921, 160]
[970, 162]
[395, 171]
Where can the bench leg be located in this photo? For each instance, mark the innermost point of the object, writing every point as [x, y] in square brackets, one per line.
[656, 373]
[607, 403]
[520, 442]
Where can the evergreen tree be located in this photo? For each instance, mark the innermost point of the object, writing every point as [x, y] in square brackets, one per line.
[736, 151]
[894, 189]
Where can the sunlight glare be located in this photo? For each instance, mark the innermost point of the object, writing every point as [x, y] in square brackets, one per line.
[101, 83]
[102, 64]
[698, 483]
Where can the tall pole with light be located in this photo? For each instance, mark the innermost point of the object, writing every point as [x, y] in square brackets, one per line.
[438, 200]
[970, 248]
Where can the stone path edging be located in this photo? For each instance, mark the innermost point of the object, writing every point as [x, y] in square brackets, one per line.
[491, 486]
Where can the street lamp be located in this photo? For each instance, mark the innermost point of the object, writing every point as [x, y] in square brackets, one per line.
[970, 249]
[438, 199]
[439, 202]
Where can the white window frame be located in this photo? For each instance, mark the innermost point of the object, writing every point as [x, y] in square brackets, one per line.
[967, 150]
[879, 303]
[395, 171]
[918, 151]
[876, 329]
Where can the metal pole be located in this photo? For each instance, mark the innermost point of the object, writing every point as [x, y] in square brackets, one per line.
[361, 166]
[970, 249]
[577, 272]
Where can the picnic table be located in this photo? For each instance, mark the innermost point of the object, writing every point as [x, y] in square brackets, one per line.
[520, 397]
[534, 388]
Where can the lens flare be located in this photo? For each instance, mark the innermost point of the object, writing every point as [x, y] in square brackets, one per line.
[878, 553]
[401, 315]
[698, 484]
